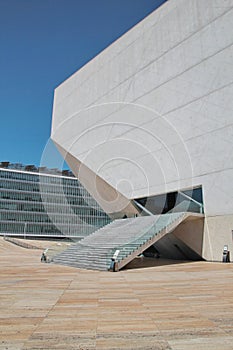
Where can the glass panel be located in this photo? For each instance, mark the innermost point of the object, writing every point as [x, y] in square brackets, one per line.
[47, 205]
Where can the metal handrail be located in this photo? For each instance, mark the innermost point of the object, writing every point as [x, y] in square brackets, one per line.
[193, 200]
[143, 208]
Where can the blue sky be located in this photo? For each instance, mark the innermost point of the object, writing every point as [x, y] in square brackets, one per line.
[43, 42]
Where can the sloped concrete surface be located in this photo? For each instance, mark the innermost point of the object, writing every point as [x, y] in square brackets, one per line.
[168, 306]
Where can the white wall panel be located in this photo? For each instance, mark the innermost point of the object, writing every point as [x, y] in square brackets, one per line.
[154, 111]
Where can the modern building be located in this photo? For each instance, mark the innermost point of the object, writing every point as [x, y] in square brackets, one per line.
[36, 204]
[150, 121]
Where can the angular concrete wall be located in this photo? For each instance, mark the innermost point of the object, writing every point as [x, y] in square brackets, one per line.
[153, 113]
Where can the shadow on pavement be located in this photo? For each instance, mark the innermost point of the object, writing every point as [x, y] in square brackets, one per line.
[145, 262]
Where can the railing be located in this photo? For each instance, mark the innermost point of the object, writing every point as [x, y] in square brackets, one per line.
[200, 205]
[142, 207]
[161, 223]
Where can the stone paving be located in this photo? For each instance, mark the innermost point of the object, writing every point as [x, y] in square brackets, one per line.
[179, 306]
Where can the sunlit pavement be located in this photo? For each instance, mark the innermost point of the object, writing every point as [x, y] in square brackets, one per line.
[180, 306]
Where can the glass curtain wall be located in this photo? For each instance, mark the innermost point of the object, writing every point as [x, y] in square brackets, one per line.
[33, 204]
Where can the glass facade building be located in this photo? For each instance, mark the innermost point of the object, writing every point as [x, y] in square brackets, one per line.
[43, 205]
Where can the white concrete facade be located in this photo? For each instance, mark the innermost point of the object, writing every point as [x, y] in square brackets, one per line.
[153, 113]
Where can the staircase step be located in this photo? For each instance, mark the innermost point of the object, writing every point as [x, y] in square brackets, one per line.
[130, 236]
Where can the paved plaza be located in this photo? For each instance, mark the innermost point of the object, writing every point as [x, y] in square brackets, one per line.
[179, 306]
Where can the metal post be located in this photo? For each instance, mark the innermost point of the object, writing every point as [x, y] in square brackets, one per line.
[24, 232]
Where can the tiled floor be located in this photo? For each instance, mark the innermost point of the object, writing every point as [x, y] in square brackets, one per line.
[180, 306]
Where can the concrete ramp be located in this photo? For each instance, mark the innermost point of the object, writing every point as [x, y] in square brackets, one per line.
[126, 238]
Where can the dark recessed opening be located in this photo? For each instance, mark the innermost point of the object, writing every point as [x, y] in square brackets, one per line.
[163, 203]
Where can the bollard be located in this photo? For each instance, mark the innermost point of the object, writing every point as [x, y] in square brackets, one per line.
[226, 255]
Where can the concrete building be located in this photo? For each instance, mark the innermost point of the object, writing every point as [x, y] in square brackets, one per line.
[149, 121]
